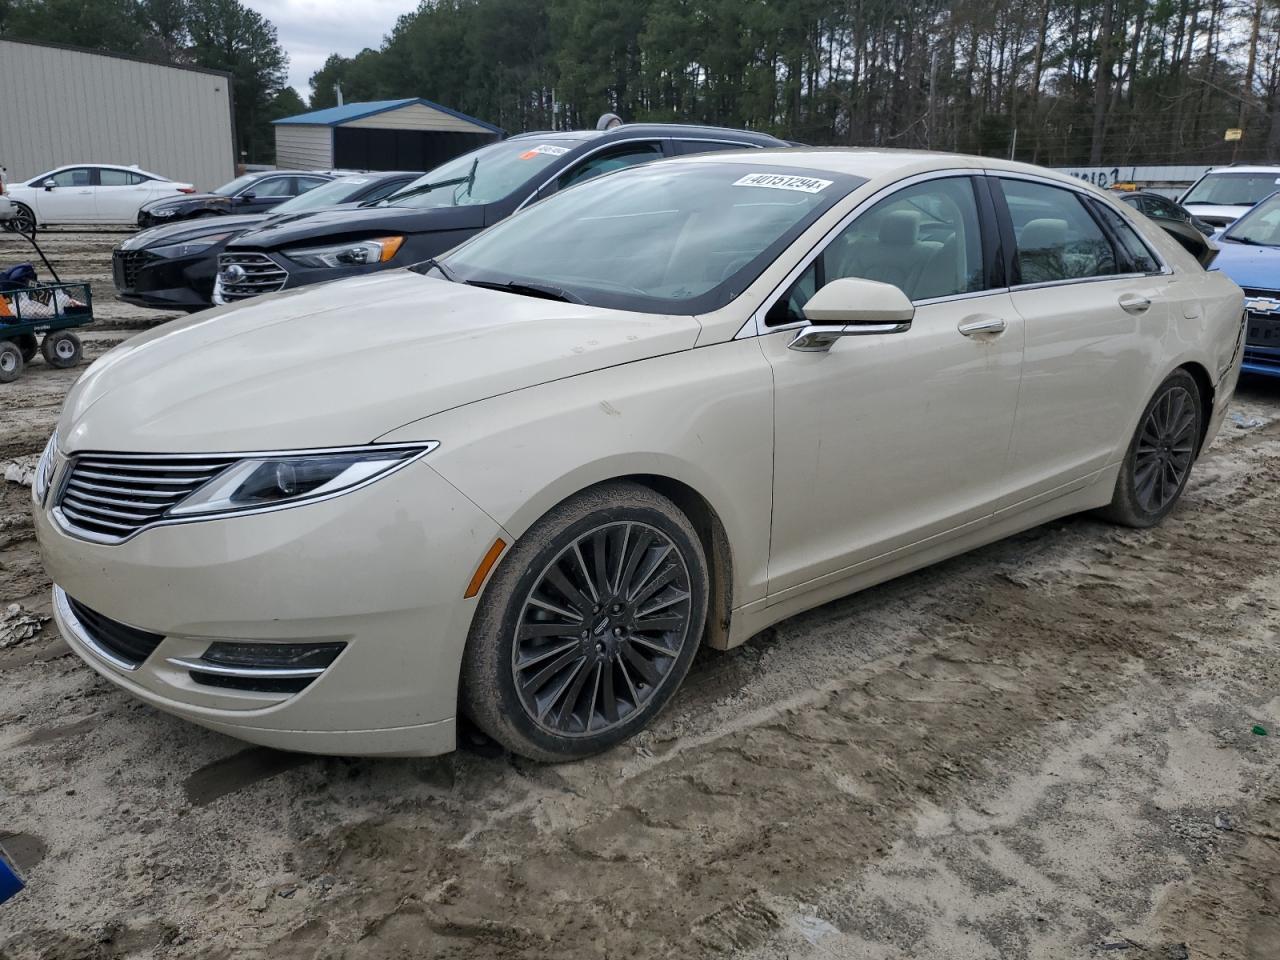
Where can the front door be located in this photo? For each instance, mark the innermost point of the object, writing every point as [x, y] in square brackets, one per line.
[891, 439]
[72, 198]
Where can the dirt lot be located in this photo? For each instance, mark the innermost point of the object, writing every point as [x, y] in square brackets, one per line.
[1043, 749]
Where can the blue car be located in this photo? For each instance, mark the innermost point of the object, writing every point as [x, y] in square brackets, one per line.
[1250, 255]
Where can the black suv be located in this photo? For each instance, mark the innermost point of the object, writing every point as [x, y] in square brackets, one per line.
[450, 204]
[251, 193]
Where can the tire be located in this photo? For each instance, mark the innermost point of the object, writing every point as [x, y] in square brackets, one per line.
[1160, 455]
[615, 675]
[23, 220]
[29, 346]
[62, 349]
[11, 362]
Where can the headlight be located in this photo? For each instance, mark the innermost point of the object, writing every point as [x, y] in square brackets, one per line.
[353, 253]
[190, 248]
[44, 470]
[163, 212]
[287, 479]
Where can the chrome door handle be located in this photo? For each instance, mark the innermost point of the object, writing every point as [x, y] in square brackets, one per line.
[1132, 303]
[978, 326]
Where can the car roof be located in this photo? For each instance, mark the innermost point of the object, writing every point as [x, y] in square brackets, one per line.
[109, 166]
[875, 163]
[1244, 169]
[628, 131]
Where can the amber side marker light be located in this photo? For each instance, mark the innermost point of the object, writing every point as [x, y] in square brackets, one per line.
[482, 571]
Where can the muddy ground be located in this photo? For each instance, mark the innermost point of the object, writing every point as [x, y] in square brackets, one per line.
[1048, 748]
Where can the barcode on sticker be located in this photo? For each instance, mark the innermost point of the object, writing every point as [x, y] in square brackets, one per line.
[780, 181]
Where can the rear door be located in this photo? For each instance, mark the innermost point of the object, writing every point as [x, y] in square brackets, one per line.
[1093, 311]
[120, 193]
[890, 440]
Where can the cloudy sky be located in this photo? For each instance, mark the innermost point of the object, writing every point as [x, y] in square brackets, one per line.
[310, 30]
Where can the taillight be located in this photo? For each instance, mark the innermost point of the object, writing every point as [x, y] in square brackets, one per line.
[186, 189]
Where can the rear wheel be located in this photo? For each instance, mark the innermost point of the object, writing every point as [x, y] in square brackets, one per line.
[588, 626]
[61, 349]
[11, 362]
[1158, 463]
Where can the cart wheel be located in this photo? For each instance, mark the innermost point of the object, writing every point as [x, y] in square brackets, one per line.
[11, 363]
[29, 346]
[61, 349]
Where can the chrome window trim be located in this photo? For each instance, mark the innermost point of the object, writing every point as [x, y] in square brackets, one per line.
[621, 142]
[246, 673]
[1164, 271]
[755, 325]
[68, 527]
[83, 637]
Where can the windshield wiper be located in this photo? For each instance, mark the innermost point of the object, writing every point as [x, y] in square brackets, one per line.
[428, 187]
[524, 289]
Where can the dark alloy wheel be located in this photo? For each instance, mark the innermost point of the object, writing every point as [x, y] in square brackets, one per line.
[601, 629]
[588, 625]
[22, 221]
[1160, 456]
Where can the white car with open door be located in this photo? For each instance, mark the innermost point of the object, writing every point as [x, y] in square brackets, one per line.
[87, 193]
[669, 406]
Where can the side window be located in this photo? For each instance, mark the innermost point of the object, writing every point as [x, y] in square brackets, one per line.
[925, 239]
[309, 183]
[1165, 209]
[272, 187]
[627, 155]
[684, 148]
[118, 178]
[1135, 253]
[1057, 239]
[75, 177]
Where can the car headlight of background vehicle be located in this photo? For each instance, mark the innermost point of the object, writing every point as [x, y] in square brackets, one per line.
[190, 248]
[284, 480]
[44, 470]
[352, 253]
[162, 212]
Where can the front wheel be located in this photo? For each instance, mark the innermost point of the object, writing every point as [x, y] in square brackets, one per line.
[588, 626]
[1158, 462]
[22, 221]
[11, 362]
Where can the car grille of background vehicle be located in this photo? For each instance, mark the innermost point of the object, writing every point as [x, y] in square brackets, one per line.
[126, 643]
[261, 275]
[127, 265]
[109, 497]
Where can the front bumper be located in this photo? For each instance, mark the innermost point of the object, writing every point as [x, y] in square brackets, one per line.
[184, 283]
[382, 569]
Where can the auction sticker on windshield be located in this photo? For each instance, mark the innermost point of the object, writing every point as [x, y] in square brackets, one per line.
[543, 148]
[782, 182]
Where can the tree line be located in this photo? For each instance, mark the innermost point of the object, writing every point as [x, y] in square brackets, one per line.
[1058, 82]
[218, 34]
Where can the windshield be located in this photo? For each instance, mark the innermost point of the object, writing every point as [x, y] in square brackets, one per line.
[1233, 189]
[236, 185]
[325, 195]
[660, 238]
[1260, 226]
[499, 169]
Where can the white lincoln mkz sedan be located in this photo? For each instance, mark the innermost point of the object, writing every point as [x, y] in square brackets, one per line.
[667, 407]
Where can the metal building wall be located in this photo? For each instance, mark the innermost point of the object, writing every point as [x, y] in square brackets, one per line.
[304, 146]
[62, 106]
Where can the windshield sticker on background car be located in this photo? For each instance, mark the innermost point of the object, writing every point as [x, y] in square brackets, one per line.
[780, 182]
[544, 148]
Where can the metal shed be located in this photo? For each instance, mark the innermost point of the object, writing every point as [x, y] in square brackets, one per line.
[412, 134]
[69, 105]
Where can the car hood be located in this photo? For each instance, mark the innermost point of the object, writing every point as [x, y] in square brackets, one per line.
[185, 198]
[342, 363]
[361, 222]
[185, 230]
[1248, 265]
[1214, 213]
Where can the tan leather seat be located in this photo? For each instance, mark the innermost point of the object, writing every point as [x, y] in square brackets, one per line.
[897, 255]
[1040, 250]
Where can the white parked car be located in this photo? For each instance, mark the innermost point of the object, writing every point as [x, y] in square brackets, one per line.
[670, 406]
[87, 193]
[1225, 194]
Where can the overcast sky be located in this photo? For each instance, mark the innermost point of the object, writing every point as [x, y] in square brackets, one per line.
[310, 30]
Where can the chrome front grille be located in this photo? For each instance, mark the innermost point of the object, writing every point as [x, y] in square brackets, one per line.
[108, 497]
[245, 275]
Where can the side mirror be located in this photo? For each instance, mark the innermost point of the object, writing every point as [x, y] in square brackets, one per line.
[247, 196]
[852, 307]
[49, 184]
